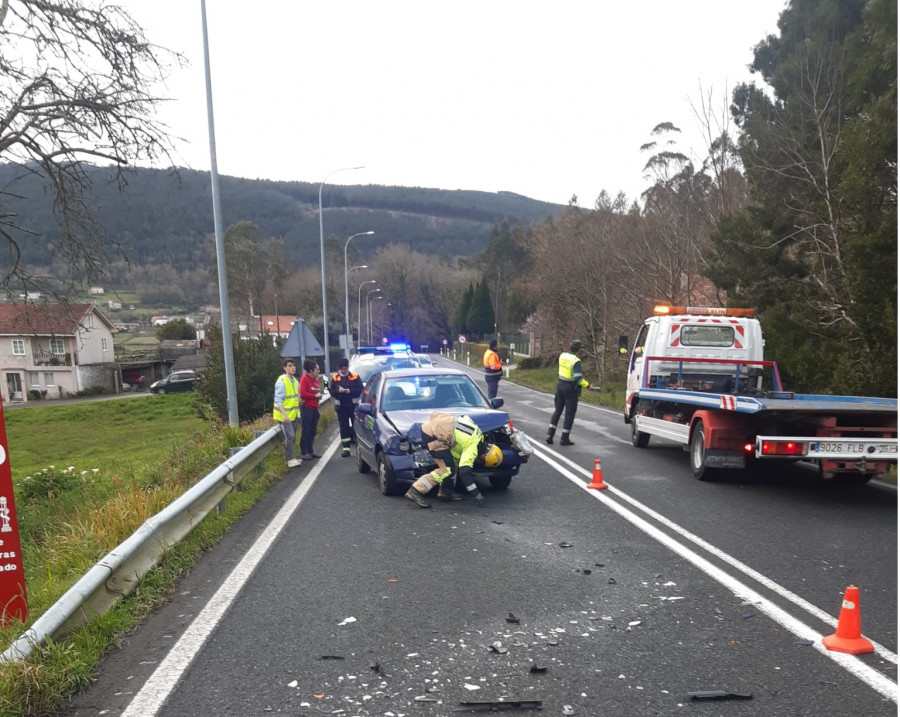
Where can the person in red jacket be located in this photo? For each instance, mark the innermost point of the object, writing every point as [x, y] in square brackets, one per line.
[310, 393]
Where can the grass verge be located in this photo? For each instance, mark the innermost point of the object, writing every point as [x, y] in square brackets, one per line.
[86, 476]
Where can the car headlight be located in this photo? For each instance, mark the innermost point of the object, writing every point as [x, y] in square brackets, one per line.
[521, 443]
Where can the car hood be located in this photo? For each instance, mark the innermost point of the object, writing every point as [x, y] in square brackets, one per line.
[486, 419]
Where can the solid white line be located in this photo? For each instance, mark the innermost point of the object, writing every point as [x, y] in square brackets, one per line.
[149, 700]
[875, 679]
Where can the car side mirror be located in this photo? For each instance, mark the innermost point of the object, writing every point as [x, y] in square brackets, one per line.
[496, 402]
[365, 409]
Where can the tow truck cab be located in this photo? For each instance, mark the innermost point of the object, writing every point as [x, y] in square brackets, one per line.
[694, 332]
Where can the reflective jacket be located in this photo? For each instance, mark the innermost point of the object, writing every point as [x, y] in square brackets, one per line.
[458, 433]
[570, 370]
[351, 381]
[291, 401]
[493, 368]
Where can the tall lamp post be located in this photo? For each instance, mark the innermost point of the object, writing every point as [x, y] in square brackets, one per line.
[359, 305]
[350, 327]
[369, 313]
[322, 252]
[349, 333]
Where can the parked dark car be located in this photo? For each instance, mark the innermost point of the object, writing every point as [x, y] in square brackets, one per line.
[369, 359]
[395, 403]
[176, 382]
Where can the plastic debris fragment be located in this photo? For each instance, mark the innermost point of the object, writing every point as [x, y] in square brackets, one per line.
[564, 544]
[537, 670]
[498, 648]
[718, 695]
[347, 621]
[499, 706]
[331, 657]
[568, 710]
[512, 619]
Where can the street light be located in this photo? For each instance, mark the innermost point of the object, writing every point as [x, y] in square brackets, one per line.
[359, 306]
[369, 312]
[347, 294]
[350, 327]
[322, 252]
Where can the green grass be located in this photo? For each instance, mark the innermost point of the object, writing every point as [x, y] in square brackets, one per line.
[85, 477]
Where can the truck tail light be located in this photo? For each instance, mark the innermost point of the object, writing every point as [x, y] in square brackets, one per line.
[783, 448]
[749, 448]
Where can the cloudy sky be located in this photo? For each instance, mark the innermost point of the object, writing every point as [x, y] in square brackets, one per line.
[546, 99]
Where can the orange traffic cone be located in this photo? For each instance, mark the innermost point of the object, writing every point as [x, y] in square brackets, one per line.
[597, 481]
[848, 637]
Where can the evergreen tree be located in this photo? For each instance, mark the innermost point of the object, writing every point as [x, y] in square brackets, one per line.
[481, 311]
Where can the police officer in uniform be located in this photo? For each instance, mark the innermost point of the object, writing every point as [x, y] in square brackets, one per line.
[568, 388]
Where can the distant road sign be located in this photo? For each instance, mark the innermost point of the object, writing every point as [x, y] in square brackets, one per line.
[461, 339]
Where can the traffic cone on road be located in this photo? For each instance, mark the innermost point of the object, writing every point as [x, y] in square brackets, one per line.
[848, 637]
[597, 481]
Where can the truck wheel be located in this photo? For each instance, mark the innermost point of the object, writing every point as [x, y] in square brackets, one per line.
[639, 439]
[698, 454]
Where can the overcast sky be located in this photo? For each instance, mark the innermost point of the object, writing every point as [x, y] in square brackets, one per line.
[546, 99]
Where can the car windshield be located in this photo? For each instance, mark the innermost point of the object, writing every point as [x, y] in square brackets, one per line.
[366, 364]
[405, 393]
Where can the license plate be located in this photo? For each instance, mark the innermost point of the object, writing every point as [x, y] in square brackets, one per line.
[863, 449]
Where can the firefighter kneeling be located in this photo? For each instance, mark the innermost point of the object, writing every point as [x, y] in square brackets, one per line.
[452, 441]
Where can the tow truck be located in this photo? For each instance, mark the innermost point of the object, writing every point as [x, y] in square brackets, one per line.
[697, 376]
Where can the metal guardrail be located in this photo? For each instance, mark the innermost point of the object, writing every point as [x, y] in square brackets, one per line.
[120, 571]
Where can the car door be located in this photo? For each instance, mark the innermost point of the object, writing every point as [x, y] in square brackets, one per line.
[182, 381]
[365, 423]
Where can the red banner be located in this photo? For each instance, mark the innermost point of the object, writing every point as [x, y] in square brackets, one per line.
[13, 599]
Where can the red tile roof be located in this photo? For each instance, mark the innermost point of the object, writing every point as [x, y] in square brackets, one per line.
[44, 319]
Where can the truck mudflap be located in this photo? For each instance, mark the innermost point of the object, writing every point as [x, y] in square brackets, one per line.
[819, 448]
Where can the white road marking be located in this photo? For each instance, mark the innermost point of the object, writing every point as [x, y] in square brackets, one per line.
[151, 697]
[875, 679]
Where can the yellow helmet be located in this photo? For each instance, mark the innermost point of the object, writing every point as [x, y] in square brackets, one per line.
[492, 455]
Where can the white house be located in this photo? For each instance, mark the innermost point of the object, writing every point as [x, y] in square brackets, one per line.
[55, 349]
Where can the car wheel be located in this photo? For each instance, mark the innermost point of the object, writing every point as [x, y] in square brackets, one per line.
[501, 481]
[161, 390]
[135, 387]
[387, 481]
[639, 439]
[698, 454]
[361, 465]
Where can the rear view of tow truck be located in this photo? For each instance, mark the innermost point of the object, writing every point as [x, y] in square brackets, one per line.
[697, 377]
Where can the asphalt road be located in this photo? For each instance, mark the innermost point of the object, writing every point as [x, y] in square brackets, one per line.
[329, 598]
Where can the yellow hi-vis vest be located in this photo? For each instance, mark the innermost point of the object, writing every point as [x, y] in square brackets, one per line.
[291, 401]
[570, 369]
[466, 437]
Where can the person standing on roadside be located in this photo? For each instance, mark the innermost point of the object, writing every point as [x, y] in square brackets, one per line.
[287, 409]
[569, 383]
[345, 388]
[310, 393]
[493, 369]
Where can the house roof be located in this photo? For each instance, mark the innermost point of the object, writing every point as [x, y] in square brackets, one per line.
[284, 323]
[46, 319]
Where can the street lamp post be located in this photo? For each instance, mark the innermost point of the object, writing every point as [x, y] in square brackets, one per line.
[350, 327]
[349, 333]
[322, 252]
[369, 313]
[359, 305]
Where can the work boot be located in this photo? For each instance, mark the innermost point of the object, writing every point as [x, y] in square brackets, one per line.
[417, 498]
[550, 432]
[447, 493]
[564, 441]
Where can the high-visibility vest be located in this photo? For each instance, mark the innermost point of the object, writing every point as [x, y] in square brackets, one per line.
[492, 364]
[570, 369]
[466, 438]
[291, 401]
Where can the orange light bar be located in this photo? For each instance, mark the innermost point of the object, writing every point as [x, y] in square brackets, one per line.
[783, 448]
[665, 309]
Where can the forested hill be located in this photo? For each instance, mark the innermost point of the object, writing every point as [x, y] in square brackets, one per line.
[162, 216]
